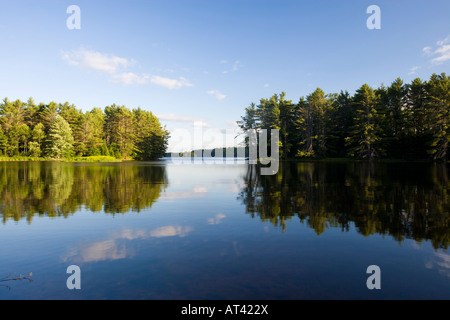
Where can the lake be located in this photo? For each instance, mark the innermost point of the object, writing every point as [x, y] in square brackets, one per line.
[164, 230]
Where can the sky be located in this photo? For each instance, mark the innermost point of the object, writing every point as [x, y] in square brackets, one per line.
[197, 64]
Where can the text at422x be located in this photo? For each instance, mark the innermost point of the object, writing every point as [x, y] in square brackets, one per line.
[230, 310]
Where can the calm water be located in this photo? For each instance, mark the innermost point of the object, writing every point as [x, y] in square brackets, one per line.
[157, 230]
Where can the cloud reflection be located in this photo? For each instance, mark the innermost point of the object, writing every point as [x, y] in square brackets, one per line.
[117, 246]
[441, 263]
[181, 195]
[170, 231]
[217, 219]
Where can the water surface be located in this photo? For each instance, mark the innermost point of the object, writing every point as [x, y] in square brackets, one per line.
[160, 230]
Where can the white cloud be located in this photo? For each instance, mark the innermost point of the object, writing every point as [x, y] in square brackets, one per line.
[413, 70]
[444, 41]
[170, 83]
[96, 61]
[231, 124]
[178, 117]
[217, 94]
[115, 66]
[427, 50]
[236, 65]
[441, 53]
[266, 85]
[201, 123]
[129, 78]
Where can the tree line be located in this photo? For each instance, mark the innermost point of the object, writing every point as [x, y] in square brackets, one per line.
[403, 120]
[58, 131]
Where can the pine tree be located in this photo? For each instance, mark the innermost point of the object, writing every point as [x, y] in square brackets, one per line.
[59, 139]
[119, 130]
[37, 139]
[249, 122]
[439, 102]
[314, 115]
[287, 125]
[419, 120]
[3, 142]
[151, 138]
[365, 134]
[341, 120]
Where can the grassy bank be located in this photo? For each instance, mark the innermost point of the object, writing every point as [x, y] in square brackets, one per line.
[72, 159]
[22, 158]
[92, 159]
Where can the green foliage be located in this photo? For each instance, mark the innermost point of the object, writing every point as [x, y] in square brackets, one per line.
[61, 131]
[60, 138]
[34, 149]
[439, 102]
[365, 133]
[399, 121]
[151, 139]
[120, 129]
[3, 142]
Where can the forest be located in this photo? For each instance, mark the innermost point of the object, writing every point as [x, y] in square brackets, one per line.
[399, 121]
[62, 131]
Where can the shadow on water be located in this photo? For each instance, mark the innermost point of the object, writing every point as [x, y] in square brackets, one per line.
[404, 200]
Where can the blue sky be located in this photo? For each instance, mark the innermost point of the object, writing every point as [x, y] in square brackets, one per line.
[206, 60]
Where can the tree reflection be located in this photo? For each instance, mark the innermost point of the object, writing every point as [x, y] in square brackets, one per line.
[60, 189]
[403, 200]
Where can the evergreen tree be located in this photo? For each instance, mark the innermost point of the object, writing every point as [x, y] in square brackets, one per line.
[287, 125]
[306, 124]
[113, 132]
[365, 133]
[119, 130]
[439, 102]
[314, 115]
[341, 120]
[416, 99]
[151, 138]
[249, 122]
[3, 142]
[59, 139]
[34, 149]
